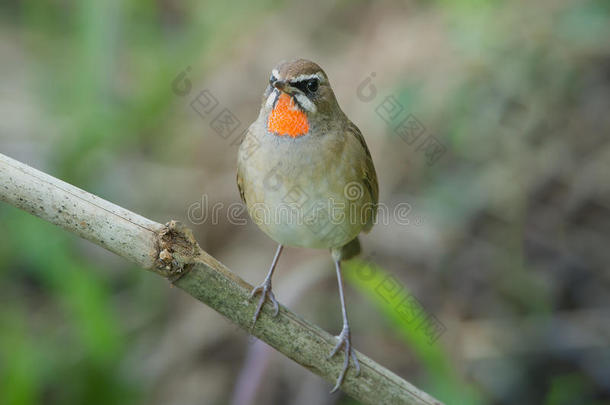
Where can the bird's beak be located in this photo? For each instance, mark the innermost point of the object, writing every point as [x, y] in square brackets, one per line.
[282, 86]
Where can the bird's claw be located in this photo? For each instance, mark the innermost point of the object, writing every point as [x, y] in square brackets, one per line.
[344, 342]
[266, 294]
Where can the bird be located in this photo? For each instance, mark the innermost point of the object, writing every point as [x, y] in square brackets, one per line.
[307, 178]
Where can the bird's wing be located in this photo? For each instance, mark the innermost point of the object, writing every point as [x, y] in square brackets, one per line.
[369, 176]
[240, 177]
[240, 186]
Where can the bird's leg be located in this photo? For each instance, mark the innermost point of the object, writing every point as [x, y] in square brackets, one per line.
[345, 339]
[265, 289]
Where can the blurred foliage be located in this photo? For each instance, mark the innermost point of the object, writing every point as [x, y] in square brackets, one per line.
[77, 360]
[410, 319]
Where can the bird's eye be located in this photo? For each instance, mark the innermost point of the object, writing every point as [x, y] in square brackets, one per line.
[272, 80]
[312, 85]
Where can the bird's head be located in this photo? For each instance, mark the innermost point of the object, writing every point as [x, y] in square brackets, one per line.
[298, 94]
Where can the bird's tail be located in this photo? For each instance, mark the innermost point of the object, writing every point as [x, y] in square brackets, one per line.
[348, 251]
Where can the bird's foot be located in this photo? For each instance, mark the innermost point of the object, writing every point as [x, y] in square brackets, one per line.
[266, 294]
[345, 342]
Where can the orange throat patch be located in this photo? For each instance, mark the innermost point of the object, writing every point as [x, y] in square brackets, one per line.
[287, 119]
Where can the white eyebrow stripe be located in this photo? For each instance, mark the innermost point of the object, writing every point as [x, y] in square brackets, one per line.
[300, 78]
[305, 102]
[275, 73]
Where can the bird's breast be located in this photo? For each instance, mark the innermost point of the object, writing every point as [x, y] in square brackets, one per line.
[295, 190]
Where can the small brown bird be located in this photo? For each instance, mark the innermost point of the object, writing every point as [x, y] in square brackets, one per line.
[307, 177]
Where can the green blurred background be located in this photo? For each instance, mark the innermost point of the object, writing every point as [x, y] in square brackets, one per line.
[507, 237]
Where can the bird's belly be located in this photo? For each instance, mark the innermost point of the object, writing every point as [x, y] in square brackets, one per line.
[308, 218]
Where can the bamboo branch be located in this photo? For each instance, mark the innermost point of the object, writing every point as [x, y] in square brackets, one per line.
[172, 252]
